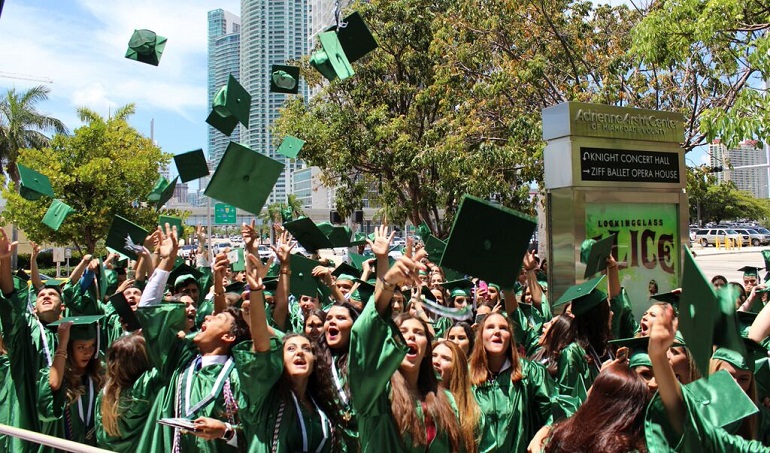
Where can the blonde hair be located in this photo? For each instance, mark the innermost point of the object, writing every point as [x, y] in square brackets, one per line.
[479, 363]
[127, 359]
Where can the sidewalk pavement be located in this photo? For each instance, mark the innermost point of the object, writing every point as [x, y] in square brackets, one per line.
[711, 250]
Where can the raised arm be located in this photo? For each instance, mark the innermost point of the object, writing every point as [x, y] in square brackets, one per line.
[56, 375]
[221, 264]
[78, 270]
[613, 277]
[166, 250]
[380, 247]
[405, 271]
[661, 339]
[531, 267]
[760, 328]
[281, 308]
[260, 333]
[34, 271]
[6, 250]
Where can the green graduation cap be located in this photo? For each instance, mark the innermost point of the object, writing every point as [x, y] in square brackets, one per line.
[364, 291]
[435, 248]
[163, 191]
[237, 261]
[83, 327]
[461, 287]
[55, 283]
[738, 360]
[766, 258]
[594, 254]
[244, 178]
[182, 272]
[231, 106]
[57, 212]
[291, 146]
[492, 254]
[235, 287]
[33, 185]
[271, 286]
[358, 260]
[127, 315]
[346, 269]
[637, 347]
[145, 46]
[308, 234]
[172, 222]
[284, 79]
[302, 281]
[358, 239]
[672, 297]
[123, 235]
[750, 271]
[22, 275]
[706, 317]
[355, 38]
[584, 296]
[191, 165]
[340, 236]
[331, 61]
[723, 402]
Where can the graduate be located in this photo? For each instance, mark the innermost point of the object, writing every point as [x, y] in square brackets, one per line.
[393, 386]
[67, 390]
[289, 404]
[557, 335]
[461, 333]
[201, 383]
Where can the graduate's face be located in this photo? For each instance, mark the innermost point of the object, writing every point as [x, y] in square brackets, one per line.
[190, 311]
[442, 361]
[460, 302]
[397, 303]
[337, 327]
[48, 305]
[649, 378]
[436, 280]
[496, 336]
[438, 294]
[190, 289]
[648, 318]
[458, 336]
[308, 304]
[314, 327]
[749, 282]
[677, 357]
[416, 340]
[133, 295]
[345, 286]
[492, 293]
[82, 352]
[215, 330]
[298, 357]
[424, 279]
[742, 377]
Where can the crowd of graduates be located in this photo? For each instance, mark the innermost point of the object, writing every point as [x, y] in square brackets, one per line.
[300, 354]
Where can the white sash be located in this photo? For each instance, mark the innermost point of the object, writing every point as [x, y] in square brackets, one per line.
[218, 384]
[324, 424]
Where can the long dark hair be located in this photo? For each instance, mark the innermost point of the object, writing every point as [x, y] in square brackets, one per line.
[611, 419]
[559, 336]
[436, 403]
[468, 333]
[592, 329]
[341, 355]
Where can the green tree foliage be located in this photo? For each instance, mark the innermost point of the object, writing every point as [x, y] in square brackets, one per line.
[105, 169]
[708, 59]
[22, 126]
[712, 201]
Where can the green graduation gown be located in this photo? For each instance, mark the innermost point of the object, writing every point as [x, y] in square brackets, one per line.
[514, 412]
[9, 407]
[623, 323]
[575, 375]
[134, 406]
[260, 373]
[173, 357]
[376, 351]
[349, 431]
[74, 421]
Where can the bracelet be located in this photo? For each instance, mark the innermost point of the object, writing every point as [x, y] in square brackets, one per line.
[62, 354]
[285, 272]
[219, 293]
[258, 288]
[385, 285]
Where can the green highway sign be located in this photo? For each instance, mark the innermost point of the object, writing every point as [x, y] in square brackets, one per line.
[224, 214]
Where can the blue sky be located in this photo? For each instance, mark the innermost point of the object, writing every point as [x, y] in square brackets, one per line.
[80, 45]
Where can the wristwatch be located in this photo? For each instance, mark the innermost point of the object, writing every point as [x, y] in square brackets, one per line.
[385, 285]
[229, 433]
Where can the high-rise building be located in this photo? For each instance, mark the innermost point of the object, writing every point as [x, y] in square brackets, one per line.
[224, 59]
[749, 165]
[272, 32]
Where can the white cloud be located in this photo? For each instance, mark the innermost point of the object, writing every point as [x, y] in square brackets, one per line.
[80, 45]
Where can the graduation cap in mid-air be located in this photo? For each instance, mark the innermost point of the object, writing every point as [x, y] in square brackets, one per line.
[284, 79]
[33, 185]
[231, 106]
[57, 212]
[146, 46]
[191, 165]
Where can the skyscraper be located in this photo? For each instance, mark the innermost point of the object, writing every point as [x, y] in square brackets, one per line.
[273, 32]
[224, 59]
[750, 166]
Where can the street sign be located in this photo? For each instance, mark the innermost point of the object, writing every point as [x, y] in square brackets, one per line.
[224, 214]
[58, 254]
[68, 253]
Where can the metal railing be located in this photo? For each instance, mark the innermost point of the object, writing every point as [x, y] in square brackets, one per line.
[50, 441]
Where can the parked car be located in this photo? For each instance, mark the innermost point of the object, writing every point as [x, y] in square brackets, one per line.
[755, 237]
[708, 236]
[184, 252]
[265, 252]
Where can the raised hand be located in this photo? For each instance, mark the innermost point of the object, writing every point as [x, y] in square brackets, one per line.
[323, 273]
[250, 236]
[35, 250]
[381, 244]
[283, 248]
[405, 271]
[168, 245]
[154, 239]
[221, 264]
[256, 271]
[63, 332]
[530, 262]
[662, 332]
[6, 247]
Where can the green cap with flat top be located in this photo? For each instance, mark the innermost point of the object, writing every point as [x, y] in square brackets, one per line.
[181, 273]
[308, 234]
[358, 239]
[435, 248]
[355, 38]
[291, 146]
[191, 165]
[302, 282]
[750, 271]
[33, 185]
[584, 296]
[55, 283]
[57, 212]
[284, 79]
[331, 61]
[231, 106]
[706, 317]
[461, 287]
[235, 287]
[358, 260]
[594, 254]
[127, 315]
[162, 192]
[766, 258]
[637, 350]
[671, 297]
[492, 254]
[83, 327]
[146, 46]
[172, 222]
[340, 236]
[722, 400]
[271, 285]
[365, 290]
[244, 178]
[346, 269]
[124, 236]
[755, 351]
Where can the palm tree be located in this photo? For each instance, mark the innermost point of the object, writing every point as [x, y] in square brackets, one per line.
[22, 126]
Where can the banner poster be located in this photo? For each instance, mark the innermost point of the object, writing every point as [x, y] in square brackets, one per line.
[647, 246]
